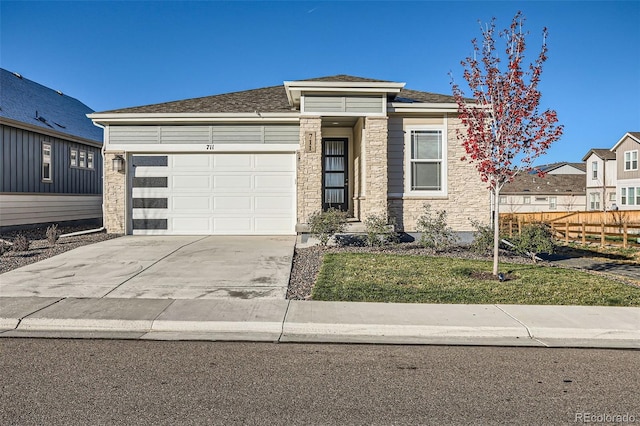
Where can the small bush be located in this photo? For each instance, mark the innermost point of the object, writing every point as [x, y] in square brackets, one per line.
[380, 231]
[323, 225]
[21, 243]
[435, 232]
[483, 238]
[534, 239]
[53, 234]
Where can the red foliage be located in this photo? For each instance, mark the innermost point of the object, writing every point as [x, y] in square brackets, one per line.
[505, 132]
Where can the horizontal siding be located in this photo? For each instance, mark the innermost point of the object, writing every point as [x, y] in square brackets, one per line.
[395, 156]
[185, 134]
[355, 104]
[218, 134]
[627, 145]
[134, 134]
[24, 209]
[21, 170]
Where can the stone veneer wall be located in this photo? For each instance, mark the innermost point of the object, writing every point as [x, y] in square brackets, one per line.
[375, 147]
[309, 171]
[115, 195]
[467, 198]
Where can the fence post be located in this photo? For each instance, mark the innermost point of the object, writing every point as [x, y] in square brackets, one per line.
[511, 227]
[584, 233]
[624, 235]
[601, 234]
[519, 226]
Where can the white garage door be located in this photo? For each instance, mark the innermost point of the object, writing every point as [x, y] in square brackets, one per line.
[221, 194]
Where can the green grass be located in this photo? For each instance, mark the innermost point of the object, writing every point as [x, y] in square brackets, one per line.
[373, 277]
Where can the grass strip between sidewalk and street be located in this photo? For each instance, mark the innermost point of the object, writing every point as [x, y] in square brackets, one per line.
[376, 277]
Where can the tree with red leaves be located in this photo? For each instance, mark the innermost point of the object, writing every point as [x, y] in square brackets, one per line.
[504, 131]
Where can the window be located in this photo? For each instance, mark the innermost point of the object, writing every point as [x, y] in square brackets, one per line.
[594, 170]
[74, 158]
[630, 196]
[553, 203]
[90, 160]
[541, 198]
[83, 159]
[427, 161]
[594, 201]
[503, 199]
[612, 196]
[526, 199]
[631, 160]
[46, 162]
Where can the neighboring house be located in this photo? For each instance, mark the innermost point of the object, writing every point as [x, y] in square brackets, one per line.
[561, 168]
[628, 173]
[558, 190]
[51, 159]
[262, 161]
[600, 179]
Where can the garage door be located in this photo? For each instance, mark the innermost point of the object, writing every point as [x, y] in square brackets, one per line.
[213, 194]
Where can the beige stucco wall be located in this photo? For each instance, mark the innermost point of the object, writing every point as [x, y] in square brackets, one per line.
[115, 195]
[467, 196]
[309, 171]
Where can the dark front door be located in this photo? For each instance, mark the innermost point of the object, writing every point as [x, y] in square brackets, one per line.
[334, 174]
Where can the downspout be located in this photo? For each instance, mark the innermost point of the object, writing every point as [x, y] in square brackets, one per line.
[102, 228]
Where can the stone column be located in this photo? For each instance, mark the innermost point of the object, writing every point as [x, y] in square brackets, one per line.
[375, 146]
[114, 195]
[309, 169]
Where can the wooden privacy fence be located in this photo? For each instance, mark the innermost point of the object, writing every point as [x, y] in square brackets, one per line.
[605, 228]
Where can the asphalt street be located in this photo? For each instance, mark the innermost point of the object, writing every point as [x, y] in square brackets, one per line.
[61, 381]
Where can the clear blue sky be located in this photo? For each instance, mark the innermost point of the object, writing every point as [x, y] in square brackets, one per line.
[118, 54]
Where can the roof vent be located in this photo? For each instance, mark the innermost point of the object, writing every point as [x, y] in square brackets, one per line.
[59, 93]
[17, 75]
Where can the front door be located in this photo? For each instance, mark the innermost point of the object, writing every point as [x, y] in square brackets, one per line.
[334, 174]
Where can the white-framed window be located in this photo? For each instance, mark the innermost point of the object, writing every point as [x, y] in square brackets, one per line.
[73, 155]
[503, 199]
[594, 170]
[594, 201]
[631, 160]
[612, 196]
[426, 160]
[47, 173]
[526, 199]
[553, 203]
[630, 196]
[83, 159]
[89, 160]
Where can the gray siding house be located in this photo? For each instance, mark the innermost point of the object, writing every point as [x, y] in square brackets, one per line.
[262, 161]
[627, 170]
[50, 153]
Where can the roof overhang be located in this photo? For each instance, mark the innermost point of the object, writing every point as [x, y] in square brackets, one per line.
[295, 89]
[48, 132]
[193, 118]
[626, 135]
[402, 107]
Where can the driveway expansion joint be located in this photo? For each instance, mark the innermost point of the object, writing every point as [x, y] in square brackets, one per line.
[150, 266]
[519, 322]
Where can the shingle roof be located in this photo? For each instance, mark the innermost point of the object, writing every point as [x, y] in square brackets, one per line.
[603, 153]
[635, 134]
[347, 79]
[267, 99]
[553, 166]
[550, 185]
[31, 103]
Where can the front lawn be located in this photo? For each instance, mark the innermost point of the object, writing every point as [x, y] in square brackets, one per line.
[377, 277]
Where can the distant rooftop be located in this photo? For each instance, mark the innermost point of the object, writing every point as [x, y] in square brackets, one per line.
[550, 185]
[31, 103]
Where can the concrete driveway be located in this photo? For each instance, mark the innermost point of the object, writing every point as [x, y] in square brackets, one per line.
[161, 267]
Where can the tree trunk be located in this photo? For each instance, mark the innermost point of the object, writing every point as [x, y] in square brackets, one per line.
[496, 228]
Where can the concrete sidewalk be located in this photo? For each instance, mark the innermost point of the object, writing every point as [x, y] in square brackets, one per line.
[274, 320]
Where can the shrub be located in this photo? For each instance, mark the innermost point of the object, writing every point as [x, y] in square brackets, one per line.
[435, 232]
[323, 225]
[534, 239]
[380, 231]
[53, 234]
[483, 238]
[21, 243]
